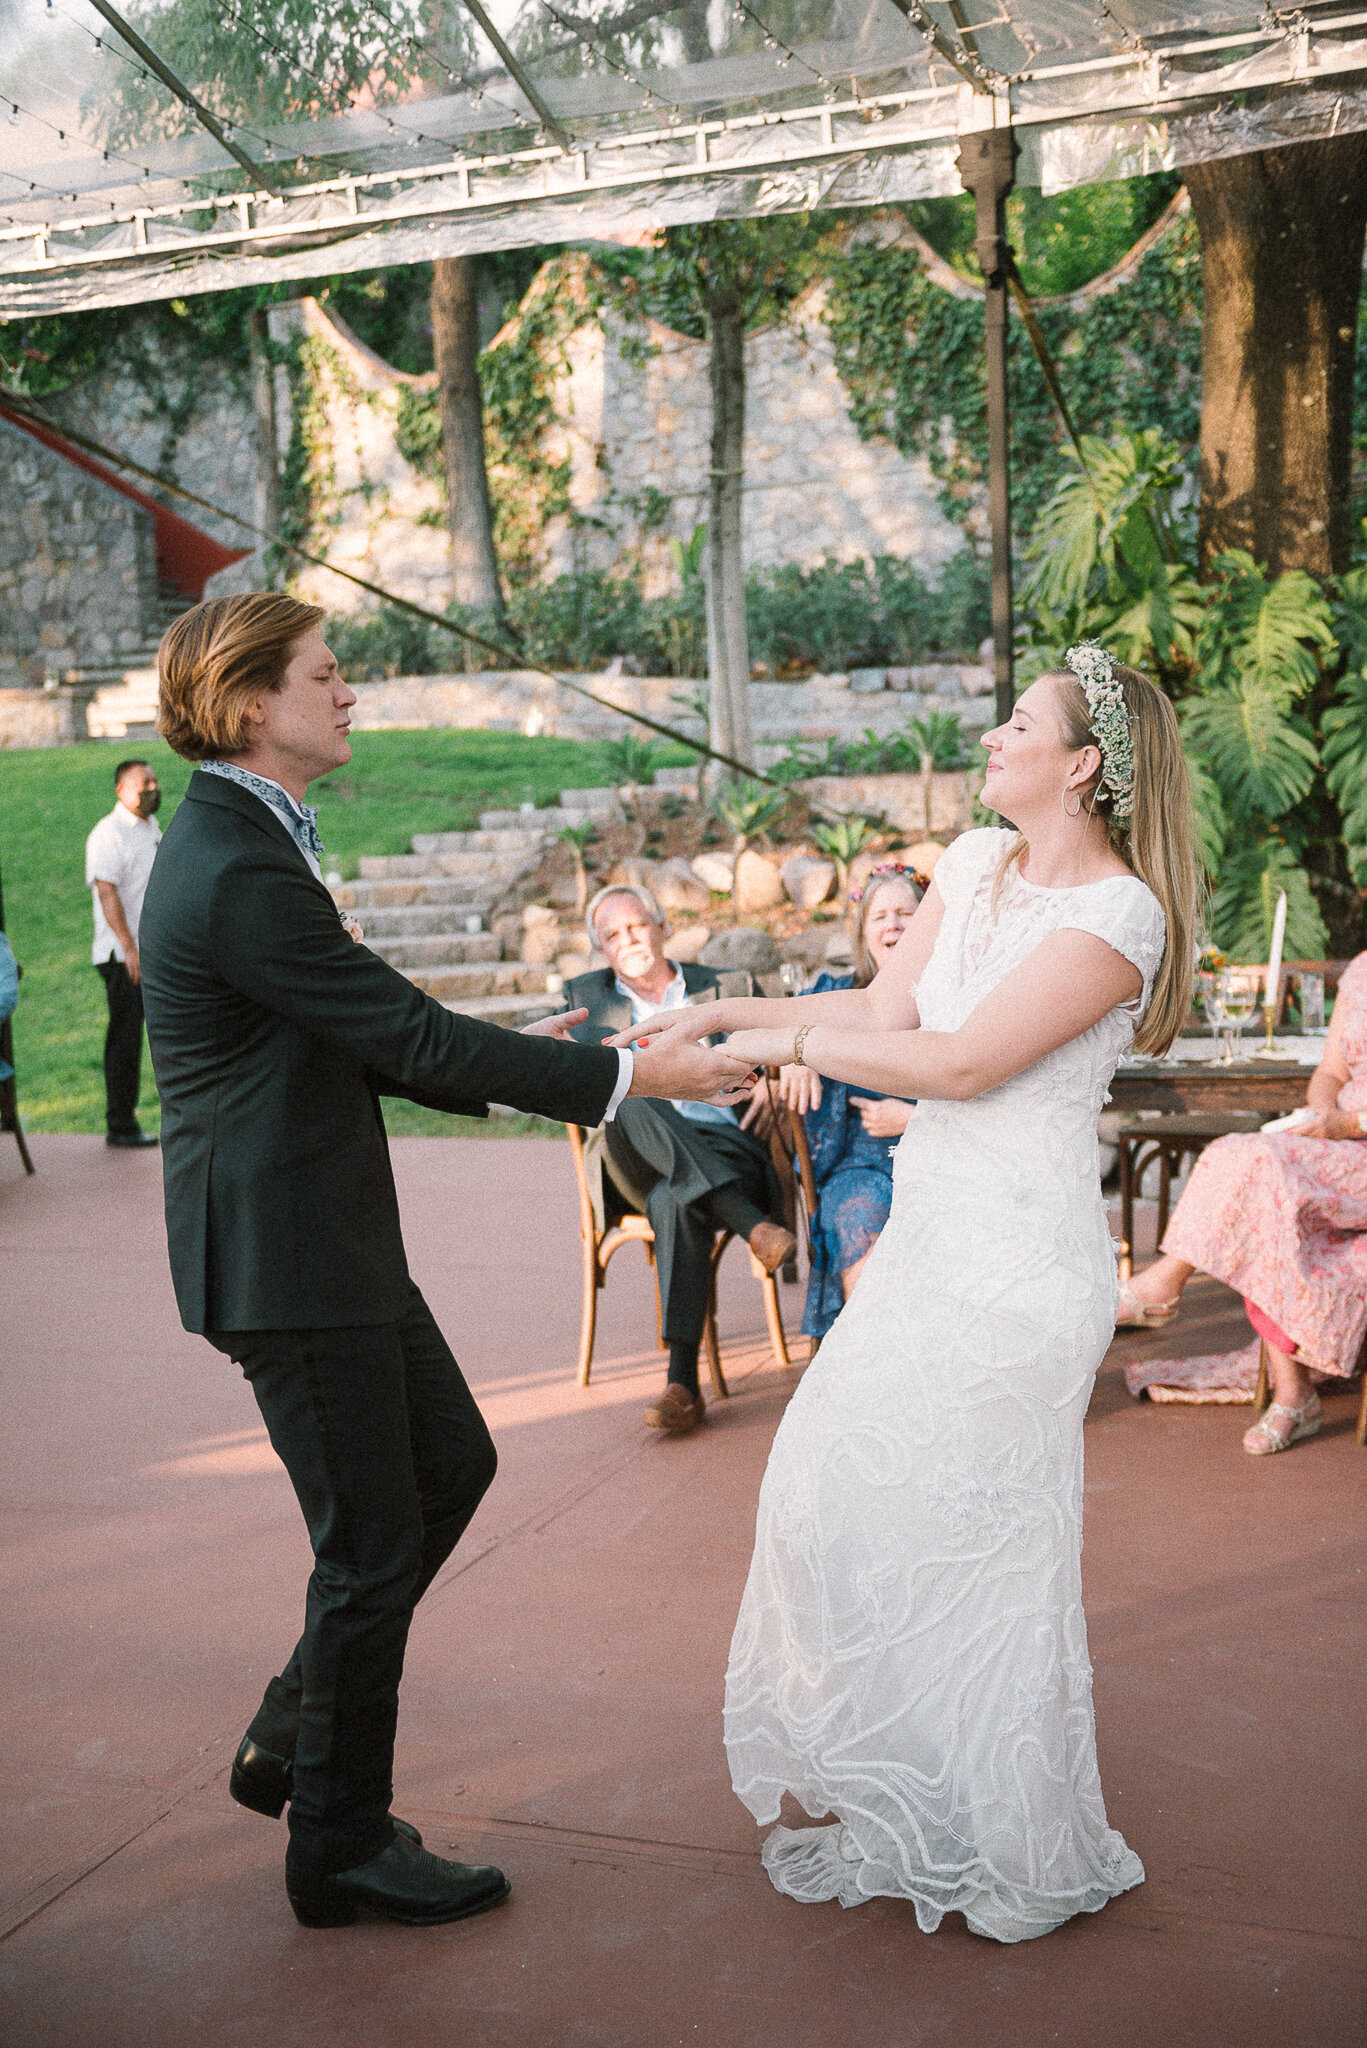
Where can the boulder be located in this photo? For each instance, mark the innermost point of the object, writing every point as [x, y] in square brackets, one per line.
[866, 680]
[678, 888]
[901, 679]
[758, 884]
[922, 856]
[687, 943]
[808, 879]
[540, 935]
[716, 870]
[862, 866]
[741, 945]
[640, 873]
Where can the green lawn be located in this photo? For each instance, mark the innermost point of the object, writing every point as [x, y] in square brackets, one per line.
[396, 784]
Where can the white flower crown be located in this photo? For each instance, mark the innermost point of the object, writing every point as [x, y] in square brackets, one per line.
[1095, 670]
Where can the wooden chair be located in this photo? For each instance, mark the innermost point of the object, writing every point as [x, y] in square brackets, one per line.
[1169, 1140]
[9, 1094]
[599, 1247]
[1263, 1394]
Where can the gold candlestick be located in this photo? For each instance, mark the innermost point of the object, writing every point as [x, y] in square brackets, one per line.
[1269, 1050]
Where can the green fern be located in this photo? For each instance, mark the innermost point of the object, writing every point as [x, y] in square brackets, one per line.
[1345, 722]
[1244, 904]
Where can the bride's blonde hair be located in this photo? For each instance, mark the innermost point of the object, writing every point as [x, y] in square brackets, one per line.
[1157, 839]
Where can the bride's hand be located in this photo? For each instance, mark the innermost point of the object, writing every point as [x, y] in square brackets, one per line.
[696, 1020]
[764, 1048]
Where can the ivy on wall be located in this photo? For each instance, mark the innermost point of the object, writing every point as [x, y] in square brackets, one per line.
[910, 355]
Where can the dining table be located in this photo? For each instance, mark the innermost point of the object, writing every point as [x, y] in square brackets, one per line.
[1192, 1079]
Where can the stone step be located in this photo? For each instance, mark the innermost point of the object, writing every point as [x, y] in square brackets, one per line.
[499, 869]
[522, 842]
[512, 1012]
[461, 952]
[460, 984]
[423, 921]
[464, 895]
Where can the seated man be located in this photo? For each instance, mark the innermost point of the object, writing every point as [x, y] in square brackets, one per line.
[690, 1167]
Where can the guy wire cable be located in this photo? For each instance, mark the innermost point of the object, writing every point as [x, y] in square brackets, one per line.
[513, 657]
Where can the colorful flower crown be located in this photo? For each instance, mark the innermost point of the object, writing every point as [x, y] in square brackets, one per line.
[1095, 670]
[891, 867]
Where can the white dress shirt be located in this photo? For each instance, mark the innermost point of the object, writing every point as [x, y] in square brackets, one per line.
[675, 997]
[120, 850]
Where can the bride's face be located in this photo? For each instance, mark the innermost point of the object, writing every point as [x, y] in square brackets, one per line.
[1029, 762]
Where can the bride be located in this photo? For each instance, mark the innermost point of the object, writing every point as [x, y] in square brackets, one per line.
[911, 1653]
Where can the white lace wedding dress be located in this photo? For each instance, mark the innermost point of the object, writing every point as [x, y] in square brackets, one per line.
[911, 1652]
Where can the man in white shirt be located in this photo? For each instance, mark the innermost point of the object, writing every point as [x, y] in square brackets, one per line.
[118, 863]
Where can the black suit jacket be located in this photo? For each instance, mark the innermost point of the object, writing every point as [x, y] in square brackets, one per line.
[273, 1035]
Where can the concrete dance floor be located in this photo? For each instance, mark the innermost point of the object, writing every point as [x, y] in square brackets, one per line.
[561, 1711]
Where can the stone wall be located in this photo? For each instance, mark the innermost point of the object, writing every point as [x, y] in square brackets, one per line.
[633, 413]
[78, 575]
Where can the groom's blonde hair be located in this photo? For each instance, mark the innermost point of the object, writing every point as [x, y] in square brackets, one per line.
[215, 658]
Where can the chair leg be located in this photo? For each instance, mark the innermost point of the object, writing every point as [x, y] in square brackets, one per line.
[1263, 1393]
[1165, 1193]
[1126, 1268]
[589, 1320]
[773, 1315]
[1362, 1412]
[713, 1350]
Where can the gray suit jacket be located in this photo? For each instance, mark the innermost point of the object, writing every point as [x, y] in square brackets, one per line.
[610, 1011]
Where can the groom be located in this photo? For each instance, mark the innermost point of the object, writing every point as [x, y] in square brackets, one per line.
[273, 1035]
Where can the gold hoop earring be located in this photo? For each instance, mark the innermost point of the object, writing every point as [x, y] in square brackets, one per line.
[1063, 799]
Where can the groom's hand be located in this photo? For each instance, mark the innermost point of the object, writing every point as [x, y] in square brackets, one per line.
[559, 1026]
[675, 1069]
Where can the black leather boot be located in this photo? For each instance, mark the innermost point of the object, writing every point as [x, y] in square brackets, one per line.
[265, 1782]
[404, 1882]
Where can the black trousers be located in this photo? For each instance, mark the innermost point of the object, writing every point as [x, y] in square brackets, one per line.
[389, 1457]
[678, 1165]
[122, 1047]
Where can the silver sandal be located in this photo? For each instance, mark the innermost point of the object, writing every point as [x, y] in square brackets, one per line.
[1266, 1436]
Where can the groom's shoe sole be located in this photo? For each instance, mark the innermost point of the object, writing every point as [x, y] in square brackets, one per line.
[263, 1782]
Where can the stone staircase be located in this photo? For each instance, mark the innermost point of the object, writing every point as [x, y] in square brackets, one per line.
[425, 912]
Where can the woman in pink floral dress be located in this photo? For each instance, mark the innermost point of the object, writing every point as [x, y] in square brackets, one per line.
[1282, 1217]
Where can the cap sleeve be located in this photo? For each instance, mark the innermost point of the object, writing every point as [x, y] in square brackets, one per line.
[967, 859]
[1128, 916]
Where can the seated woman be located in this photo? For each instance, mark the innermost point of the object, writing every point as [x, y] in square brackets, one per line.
[852, 1135]
[1282, 1217]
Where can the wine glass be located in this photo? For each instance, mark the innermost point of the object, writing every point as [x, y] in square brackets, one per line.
[1240, 997]
[1210, 987]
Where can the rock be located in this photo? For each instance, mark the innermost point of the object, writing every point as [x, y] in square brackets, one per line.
[862, 866]
[807, 879]
[640, 873]
[742, 945]
[686, 944]
[901, 679]
[758, 885]
[540, 935]
[838, 680]
[978, 682]
[839, 949]
[678, 888]
[716, 870]
[866, 680]
[923, 856]
[588, 799]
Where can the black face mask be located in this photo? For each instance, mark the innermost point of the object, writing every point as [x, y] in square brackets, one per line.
[149, 802]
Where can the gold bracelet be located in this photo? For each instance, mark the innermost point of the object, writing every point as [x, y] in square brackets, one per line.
[799, 1040]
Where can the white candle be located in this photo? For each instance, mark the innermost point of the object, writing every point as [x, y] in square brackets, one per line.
[1274, 958]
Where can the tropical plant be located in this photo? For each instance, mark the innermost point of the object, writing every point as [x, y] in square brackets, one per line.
[748, 808]
[940, 738]
[842, 840]
[1246, 656]
[577, 838]
[630, 759]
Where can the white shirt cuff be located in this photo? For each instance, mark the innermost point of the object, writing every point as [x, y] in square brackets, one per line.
[626, 1067]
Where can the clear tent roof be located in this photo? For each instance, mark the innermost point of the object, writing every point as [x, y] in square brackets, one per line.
[572, 120]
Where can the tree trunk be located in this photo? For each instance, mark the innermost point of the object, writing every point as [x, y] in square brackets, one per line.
[455, 341]
[267, 497]
[1282, 238]
[728, 646]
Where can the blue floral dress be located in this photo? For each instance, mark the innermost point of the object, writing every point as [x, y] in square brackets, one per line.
[854, 1179]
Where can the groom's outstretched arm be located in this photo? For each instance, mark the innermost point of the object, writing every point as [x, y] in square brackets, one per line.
[278, 940]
